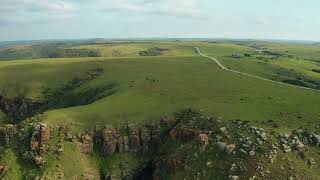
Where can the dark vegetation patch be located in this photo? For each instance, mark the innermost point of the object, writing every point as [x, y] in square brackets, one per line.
[155, 51]
[316, 70]
[47, 50]
[271, 53]
[19, 108]
[152, 79]
[60, 53]
[304, 82]
[235, 56]
[247, 55]
[68, 95]
[9, 54]
[296, 82]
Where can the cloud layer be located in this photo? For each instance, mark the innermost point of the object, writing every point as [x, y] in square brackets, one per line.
[26, 11]
[42, 19]
[180, 8]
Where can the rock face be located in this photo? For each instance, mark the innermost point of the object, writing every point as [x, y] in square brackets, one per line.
[184, 134]
[39, 139]
[3, 171]
[18, 108]
[204, 139]
[86, 143]
[134, 139]
[316, 139]
[7, 132]
[155, 140]
[137, 139]
[110, 139]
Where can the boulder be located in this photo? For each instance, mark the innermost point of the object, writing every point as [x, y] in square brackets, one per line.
[221, 145]
[204, 140]
[223, 130]
[311, 161]
[86, 143]
[286, 148]
[3, 170]
[39, 161]
[88, 176]
[316, 139]
[234, 177]
[252, 153]
[68, 137]
[230, 148]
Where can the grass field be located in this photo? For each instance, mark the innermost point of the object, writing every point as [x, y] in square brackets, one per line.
[276, 61]
[154, 86]
[180, 82]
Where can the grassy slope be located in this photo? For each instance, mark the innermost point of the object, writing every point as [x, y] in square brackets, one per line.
[73, 164]
[278, 69]
[182, 82]
[10, 159]
[132, 49]
[300, 50]
[107, 49]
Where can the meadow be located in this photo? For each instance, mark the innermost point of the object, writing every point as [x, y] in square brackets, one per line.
[148, 87]
[179, 82]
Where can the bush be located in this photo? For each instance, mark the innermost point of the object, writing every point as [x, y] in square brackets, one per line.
[155, 51]
[316, 70]
[296, 82]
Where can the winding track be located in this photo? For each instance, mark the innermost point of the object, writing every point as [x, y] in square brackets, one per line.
[249, 75]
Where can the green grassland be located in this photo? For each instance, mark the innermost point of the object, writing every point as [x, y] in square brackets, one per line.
[103, 49]
[132, 49]
[180, 82]
[276, 61]
[148, 87]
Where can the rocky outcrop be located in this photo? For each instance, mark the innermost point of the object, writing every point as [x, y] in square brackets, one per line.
[109, 140]
[155, 140]
[19, 107]
[143, 139]
[3, 171]
[39, 139]
[134, 138]
[86, 143]
[204, 140]
[39, 161]
[184, 134]
[7, 132]
[38, 144]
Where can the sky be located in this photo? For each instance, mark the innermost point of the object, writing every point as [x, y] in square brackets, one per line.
[81, 19]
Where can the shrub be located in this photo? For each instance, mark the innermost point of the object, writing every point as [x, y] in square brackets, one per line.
[155, 51]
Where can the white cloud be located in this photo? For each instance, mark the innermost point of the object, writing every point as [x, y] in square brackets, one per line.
[181, 8]
[24, 11]
[58, 6]
[28, 11]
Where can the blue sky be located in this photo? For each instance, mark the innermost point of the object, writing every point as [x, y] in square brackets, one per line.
[72, 19]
